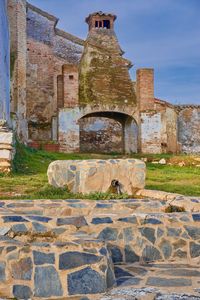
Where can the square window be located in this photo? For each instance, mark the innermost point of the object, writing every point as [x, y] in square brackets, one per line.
[71, 77]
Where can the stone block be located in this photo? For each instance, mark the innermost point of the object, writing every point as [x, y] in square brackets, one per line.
[130, 255]
[5, 154]
[116, 254]
[47, 282]
[19, 228]
[108, 234]
[22, 269]
[14, 219]
[2, 271]
[194, 250]
[104, 220]
[22, 292]
[4, 230]
[89, 176]
[41, 258]
[6, 138]
[70, 260]
[150, 253]
[37, 227]
[172, 282]
[86, 281]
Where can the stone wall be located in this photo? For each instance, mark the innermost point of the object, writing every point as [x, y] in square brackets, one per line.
[189, 128]
[55, 249]
[4, 65]
[99, 134]
[49, 50]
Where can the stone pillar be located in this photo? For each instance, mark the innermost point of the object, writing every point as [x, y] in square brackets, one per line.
[6, 136]
[17, 22]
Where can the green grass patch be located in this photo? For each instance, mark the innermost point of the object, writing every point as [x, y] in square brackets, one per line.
[29, 177]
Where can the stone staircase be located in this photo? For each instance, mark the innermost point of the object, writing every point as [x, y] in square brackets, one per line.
[116, 249]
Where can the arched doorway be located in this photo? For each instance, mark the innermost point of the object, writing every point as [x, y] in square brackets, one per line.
[107, 132]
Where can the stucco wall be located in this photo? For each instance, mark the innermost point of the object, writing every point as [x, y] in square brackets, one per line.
[189, 128]
[4, 64]
[159, 130]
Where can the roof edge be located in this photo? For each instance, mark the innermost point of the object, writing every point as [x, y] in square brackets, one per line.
[43, 13]
[69, 36]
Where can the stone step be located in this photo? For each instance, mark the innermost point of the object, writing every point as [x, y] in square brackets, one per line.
[162, 276]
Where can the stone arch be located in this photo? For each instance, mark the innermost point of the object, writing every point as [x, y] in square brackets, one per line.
[69, 125]
[108, 131]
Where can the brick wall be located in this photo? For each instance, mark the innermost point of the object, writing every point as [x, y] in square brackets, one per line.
[70, 85]
[48, 50]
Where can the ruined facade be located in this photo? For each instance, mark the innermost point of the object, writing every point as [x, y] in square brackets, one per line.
[72, 95]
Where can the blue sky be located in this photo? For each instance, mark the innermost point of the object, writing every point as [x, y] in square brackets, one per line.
[161, 34]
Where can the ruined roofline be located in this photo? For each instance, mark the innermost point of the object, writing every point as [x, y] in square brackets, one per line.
[183, 106]
[58, 31]
[163, 102]
[43, 13]
[69, 36]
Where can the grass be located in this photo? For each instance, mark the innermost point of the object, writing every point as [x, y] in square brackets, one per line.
[29, 177]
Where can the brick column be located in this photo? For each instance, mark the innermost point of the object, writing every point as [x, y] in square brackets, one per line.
[145, 88]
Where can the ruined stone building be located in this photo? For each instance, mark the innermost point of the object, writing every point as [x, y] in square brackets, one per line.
[71, 95]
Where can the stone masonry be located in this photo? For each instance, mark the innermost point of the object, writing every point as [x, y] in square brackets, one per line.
[100, 176]
[57, 249]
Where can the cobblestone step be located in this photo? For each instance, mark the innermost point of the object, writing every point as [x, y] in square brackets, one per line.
[166, 277]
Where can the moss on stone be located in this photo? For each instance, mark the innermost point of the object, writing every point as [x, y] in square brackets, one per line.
[13, 57]
[104, 78]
